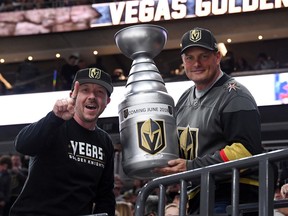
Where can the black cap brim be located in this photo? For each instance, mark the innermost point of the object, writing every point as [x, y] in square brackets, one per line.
[197, 45]
[108, 87]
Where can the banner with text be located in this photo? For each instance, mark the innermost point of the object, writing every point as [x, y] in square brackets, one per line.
[83, 17]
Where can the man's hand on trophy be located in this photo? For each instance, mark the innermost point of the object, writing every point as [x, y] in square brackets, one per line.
[174, 166]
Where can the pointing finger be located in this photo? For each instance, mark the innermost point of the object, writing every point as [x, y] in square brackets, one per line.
[75, 91]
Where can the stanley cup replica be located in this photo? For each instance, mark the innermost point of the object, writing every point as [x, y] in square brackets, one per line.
[146, 114]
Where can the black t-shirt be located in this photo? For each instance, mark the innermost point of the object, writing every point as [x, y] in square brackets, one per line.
[70, 169]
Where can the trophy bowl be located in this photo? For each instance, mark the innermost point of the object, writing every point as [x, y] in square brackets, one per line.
[143, 39]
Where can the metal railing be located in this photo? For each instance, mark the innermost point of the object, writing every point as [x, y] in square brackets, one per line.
[206, 175]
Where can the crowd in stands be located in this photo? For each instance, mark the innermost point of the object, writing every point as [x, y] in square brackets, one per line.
[28, 74]
[282, 181]
[263, 62]
[126, 198]
[13, 173]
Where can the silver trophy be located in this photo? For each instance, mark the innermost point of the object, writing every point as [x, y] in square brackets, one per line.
[146, 114]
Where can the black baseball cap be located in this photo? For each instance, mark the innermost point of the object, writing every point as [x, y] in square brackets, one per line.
[199, 37]
[94, 75]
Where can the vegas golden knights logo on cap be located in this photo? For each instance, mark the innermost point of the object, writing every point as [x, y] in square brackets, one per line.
[94, 73]
[151, 136]
[195, 35]
[188, 142]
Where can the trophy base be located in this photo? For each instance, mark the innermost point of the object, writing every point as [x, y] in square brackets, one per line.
[144, 169]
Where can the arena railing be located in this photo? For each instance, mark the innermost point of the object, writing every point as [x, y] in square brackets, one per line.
[208, 176]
